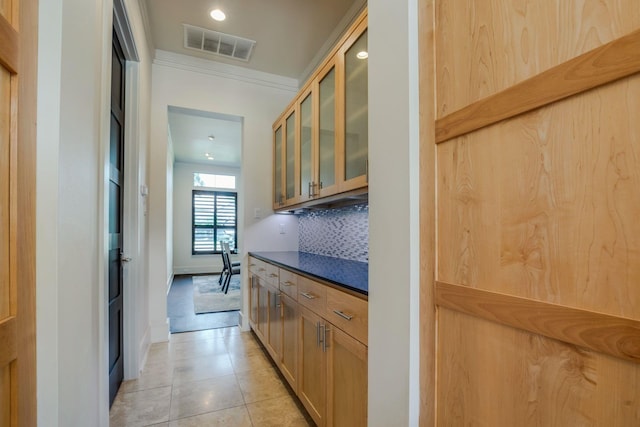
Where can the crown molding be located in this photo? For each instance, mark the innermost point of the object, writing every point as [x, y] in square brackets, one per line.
[198, 65]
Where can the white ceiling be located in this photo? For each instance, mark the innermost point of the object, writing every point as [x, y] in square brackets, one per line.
[190, 131]
[291, 38]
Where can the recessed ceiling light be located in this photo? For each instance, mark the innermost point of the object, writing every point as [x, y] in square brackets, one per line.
[362, 55]
[211, 137]
[218, 15]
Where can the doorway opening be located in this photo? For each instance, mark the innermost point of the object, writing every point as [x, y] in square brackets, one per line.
[205, 171]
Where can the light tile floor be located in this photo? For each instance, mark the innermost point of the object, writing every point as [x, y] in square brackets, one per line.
[215, 377]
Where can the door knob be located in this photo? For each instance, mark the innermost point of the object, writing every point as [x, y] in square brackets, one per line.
[124, 259]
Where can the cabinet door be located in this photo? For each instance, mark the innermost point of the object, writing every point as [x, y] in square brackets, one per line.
[312, 365]
[263, 311]
[278, 169]
[354, 151]
[253, 301]
[326, 150]
[291, 187]
[307, 183]
[346, 380]
[289, 358]
[274, 335]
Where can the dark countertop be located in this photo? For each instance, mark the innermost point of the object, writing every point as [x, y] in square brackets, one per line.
[348, 274]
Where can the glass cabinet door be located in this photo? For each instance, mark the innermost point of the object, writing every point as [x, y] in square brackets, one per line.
[327, 133]
[356, 109]
[290, 157]
[277, 168]
[306, 147]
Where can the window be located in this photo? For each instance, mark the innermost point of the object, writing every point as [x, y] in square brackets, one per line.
[215, 220]
[214, 181]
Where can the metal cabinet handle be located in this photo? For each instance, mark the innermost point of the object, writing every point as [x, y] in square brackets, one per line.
[273, 275]
[276, 303]
[288, 283]
[308, 295]
[261, 269]
[324, 338]
[343, 315]
[317, 334]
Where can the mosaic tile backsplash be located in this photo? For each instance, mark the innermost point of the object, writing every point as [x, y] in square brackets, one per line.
[341, 233]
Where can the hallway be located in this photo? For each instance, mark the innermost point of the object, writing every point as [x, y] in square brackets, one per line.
[215, 377]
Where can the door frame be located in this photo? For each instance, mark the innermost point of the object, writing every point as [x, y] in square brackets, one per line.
[115, 19]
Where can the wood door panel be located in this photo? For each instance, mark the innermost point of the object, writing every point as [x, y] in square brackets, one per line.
[495, 44]
[494, 375]
[5, 180]
[545, 205]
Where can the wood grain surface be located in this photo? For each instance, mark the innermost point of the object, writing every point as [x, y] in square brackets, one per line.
[616, 336]
[617, 59]
[537, 255]
[495, 375]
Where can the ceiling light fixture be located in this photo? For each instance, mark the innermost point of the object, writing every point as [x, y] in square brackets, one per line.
[362, 55]
[218, 15]
[211, 137]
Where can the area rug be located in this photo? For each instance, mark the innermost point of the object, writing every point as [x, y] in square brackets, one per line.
[208, 296]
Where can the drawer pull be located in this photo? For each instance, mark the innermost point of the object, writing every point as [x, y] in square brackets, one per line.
[273, 275]
[261, 269]
[343, 315]
[308, 295]
[288, 283]
[252, 265]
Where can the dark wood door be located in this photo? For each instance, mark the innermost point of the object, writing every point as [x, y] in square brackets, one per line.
[116, 162]
[18, 51]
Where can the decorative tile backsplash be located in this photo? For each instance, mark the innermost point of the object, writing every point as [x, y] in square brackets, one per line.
[341, 233]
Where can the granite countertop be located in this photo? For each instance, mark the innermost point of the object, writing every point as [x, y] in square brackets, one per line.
[353, 275]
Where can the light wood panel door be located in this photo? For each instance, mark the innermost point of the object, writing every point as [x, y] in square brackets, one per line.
[347, 380]
[536, 296]
[18, 49]
[289, 359]
[312, 365]
[253, 300]
[274, 333]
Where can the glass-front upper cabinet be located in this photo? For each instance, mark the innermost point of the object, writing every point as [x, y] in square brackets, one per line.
[290, 158]
[307, 182]
[278, 182]
[327, 132]
[356, 111]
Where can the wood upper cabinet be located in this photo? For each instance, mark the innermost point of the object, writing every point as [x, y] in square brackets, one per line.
[278, 169]
[353, 157]
[321, 140]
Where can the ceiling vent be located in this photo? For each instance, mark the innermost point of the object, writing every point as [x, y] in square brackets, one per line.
[217, 43]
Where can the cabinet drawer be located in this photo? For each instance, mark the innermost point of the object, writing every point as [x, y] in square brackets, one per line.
[257, 267]
[312, 295]
[289, 283]
[348, 313]
[271, 275]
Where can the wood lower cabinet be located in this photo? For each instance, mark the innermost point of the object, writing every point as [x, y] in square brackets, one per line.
[289, 358]
[263, 311]
[312, 373]
[274, 323]
[317, 336]
[347, 380]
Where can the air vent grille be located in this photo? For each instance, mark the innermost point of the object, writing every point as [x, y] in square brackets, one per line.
[217, 43]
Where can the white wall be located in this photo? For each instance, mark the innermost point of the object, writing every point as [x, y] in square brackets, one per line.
[258, 98]
[73, 133]
[393, 199]
[183, 261]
